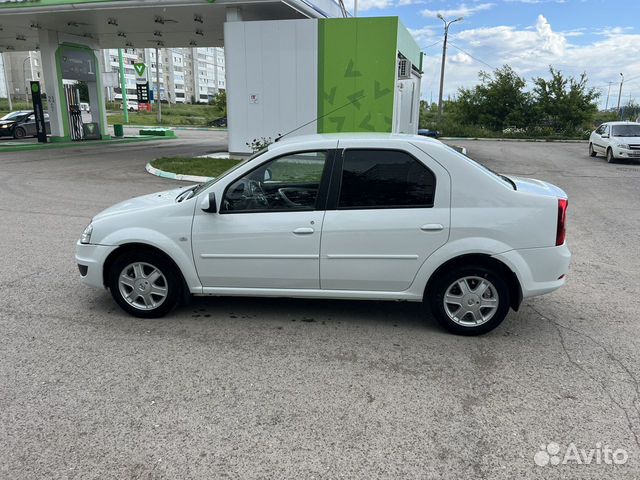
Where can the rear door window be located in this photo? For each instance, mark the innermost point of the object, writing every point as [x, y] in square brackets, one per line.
[377, 178]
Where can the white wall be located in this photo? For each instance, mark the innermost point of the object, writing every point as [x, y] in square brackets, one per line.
[277, 62]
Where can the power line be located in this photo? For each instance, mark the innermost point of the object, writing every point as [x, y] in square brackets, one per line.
[429, 46]
[475, 58]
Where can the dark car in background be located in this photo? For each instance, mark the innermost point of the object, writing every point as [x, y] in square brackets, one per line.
[425, 132]
[21, 124]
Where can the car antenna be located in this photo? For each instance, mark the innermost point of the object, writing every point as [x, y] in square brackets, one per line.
[279, 137]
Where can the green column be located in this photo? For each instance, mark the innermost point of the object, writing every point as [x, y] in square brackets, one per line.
[123, 86]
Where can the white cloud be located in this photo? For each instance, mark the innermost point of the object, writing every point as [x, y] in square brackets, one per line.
[462, 58]
[552, 42]
[530, 51]
[463, 10]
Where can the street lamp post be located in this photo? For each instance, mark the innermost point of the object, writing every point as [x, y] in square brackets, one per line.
[24, 76]
[444, 56]
[620, 93]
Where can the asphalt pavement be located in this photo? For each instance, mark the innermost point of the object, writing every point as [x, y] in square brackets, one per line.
[273, 388]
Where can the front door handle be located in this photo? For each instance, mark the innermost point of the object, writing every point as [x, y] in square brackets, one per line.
[432, 227]
[303, 231]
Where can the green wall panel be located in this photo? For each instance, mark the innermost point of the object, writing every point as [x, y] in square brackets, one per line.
[356, 74]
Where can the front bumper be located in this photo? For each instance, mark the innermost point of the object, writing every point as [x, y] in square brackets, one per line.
[90, 260]
[625, 153]
[539, 270]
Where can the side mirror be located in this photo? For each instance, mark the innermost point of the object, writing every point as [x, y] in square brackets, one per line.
[267, 175]
[209, 203]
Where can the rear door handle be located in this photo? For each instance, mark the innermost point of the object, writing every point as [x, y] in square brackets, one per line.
[432, 227]
[303, 231]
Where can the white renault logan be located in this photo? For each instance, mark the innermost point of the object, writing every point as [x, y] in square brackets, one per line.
[349, 216]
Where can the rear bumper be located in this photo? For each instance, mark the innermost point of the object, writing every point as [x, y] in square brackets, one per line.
[90, 260]
[539, 270]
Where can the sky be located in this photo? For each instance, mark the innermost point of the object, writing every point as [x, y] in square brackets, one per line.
[599, 37]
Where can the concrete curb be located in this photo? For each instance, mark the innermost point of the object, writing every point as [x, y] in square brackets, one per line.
[175, 176]
[537, 140]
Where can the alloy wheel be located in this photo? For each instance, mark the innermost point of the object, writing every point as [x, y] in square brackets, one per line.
[143, 286]
[471, 301]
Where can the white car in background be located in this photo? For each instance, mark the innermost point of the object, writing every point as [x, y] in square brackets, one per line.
[345, 216]
[616, 140]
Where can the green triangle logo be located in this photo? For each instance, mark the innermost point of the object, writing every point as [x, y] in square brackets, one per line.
[140, 68]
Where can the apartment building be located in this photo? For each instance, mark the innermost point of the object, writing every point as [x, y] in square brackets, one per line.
[18, 69]
[187, 75]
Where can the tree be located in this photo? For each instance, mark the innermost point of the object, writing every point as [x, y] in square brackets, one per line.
[83, 90]
[566, 104]
[499, 101]
[220, 102]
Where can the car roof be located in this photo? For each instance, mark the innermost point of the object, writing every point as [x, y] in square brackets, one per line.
[623, 123]
[305, 139]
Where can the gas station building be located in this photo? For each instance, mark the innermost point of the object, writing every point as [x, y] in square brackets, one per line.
[290, 64]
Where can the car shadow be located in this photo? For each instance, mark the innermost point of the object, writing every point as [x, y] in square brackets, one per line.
[309, 311]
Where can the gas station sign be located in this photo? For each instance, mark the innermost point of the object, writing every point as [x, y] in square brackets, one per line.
[142, 91]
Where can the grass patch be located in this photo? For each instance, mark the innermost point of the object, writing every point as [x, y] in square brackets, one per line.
[172, 115]
[203, 167]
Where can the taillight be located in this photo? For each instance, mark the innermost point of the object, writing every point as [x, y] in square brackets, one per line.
[561, 232]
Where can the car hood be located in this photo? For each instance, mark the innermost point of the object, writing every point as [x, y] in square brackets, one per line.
[140, 203]
[531, 185]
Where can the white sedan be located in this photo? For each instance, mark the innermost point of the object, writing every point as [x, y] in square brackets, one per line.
[345, 216]
[616, 140]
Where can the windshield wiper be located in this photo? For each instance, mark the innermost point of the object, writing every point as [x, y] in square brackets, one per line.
[504, 177]
[183, 195]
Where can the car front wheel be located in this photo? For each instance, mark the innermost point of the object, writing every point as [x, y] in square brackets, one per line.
[145, 284]
[592, 152]
[19, 133]
[610, 157]
[470, 300]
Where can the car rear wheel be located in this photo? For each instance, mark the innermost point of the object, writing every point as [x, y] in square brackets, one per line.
[19, 133]
[592, 152]
[610, 157]
[470, 300]
[145, 284]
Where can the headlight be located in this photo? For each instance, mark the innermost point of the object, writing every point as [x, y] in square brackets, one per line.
[86, 235]
[5, 126]
[623, 145]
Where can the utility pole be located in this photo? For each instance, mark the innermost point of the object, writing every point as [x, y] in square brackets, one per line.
[24, 77]
[159, 99]
[6, 80]
[606, 107]
[444, 56]
[620, 93]
[123, 87]
[355, 8]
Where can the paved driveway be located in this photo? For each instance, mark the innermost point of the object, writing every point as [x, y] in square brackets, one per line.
[255, 388]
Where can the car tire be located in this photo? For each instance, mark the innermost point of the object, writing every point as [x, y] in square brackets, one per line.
[592, 152]
[145, 284]
[610, 157]
[469, 312]
[19, 133]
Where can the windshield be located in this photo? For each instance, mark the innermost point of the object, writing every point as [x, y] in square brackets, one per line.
[626, 130]
[203, 186]
[15, 116]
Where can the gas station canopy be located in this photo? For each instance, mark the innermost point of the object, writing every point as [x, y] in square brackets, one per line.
[142, 23]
